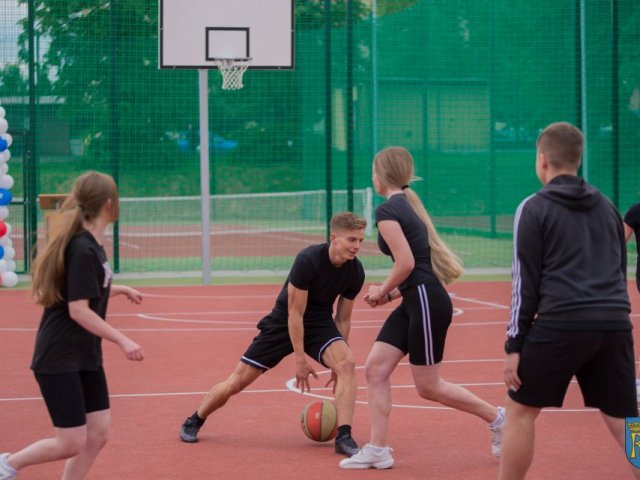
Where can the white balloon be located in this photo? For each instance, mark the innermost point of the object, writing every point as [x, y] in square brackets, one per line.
[3, 266]
[5, 156]
[9, 253]
[4, 212]
[4, 126]
[11, 266]
[4, 168]
[9, 279]
[3, 112]
[8, 138]
[6, 241]
[6, 181]
[9, 229]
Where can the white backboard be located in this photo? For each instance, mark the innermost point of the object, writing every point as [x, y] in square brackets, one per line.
[193, 32]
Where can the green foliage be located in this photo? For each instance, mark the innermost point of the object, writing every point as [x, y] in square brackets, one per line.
[11, 81]
[310, 14]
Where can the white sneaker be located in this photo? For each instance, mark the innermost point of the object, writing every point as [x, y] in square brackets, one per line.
[7, 472]
[495, 428]
[366, 458]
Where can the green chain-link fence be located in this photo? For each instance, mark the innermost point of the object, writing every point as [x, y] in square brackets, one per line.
[465, 85]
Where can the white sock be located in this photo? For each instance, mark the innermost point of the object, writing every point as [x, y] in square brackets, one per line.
[498, 421]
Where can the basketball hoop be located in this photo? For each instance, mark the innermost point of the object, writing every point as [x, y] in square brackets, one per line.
[232, 70]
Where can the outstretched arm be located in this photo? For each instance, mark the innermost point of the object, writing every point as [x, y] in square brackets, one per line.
[132, 294]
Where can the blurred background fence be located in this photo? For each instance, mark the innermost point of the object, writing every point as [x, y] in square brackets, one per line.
[466, 86]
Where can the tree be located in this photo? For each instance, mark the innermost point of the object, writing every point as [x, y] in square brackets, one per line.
[11, 81]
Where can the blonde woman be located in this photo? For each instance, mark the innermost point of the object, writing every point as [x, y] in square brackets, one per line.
[422, 263]
[72, 281]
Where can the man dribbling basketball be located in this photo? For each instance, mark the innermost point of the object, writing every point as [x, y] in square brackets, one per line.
[301, 323]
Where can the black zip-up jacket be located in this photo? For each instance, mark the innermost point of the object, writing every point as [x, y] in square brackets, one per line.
[569, 264]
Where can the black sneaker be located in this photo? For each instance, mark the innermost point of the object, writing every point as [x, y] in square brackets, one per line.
[346, 445]
[189, 430]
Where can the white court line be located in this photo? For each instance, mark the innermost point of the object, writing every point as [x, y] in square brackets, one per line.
[290, 388]
[359, 326]
[486, 305]
[207, 297]
[135, 246]
[291, 385]
[260, 313]
[479, 302]
[159, 318]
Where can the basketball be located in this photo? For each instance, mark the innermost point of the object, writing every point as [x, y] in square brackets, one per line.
[319, 421]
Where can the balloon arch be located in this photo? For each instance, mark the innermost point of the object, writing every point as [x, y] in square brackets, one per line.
[8, 277]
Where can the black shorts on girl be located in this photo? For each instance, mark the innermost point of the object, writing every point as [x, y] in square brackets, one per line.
[273, 343]
[418, 326]
[70, 396]
[602, 362]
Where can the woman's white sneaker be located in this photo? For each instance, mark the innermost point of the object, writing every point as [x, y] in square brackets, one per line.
[7, 472]
[369, 457]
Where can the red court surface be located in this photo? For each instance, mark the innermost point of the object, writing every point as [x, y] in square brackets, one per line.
[193, 337]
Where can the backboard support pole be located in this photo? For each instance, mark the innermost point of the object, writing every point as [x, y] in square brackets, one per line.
[205, 194]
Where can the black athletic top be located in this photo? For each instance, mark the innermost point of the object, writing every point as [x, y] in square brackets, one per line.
[398, 209]
[632, 218]
[313, 272]
[62, 345]
[569, 265]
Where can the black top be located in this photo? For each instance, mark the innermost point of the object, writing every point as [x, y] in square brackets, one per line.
[313, 272]
[632, 218]
[398, 209]
[569, 266]
[62, 345]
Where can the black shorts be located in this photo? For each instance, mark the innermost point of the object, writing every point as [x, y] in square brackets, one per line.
[273, 343]
[418, 326]
[70, 396]
[602, 362]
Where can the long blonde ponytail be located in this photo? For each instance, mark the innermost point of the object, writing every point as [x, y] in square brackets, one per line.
[394, 168]
[446, 265]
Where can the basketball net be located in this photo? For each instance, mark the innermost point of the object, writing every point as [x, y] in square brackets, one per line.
[232, 70]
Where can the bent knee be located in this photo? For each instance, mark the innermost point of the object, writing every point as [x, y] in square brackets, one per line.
[428, 392]
[98, 439]
[346, 366]
[72, 446]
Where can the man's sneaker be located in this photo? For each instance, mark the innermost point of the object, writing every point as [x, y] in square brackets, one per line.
[7, 472]
[496, 428]
[369, 457]
[346, 445]
[189, 430]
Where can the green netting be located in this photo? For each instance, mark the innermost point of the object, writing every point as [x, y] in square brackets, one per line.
[465, 85]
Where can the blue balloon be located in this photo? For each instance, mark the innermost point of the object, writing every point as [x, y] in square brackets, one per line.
[3, 144]
[1, 252]
[5, 197]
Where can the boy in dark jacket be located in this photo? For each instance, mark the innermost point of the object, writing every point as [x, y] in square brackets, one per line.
[569, 306]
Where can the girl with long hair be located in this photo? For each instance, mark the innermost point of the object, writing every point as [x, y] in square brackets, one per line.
[422, 263]
[72, 281]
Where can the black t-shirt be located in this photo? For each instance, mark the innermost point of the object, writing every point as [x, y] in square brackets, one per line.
[397, 208]
[313, 272]
[632, 218]
[62, 345]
